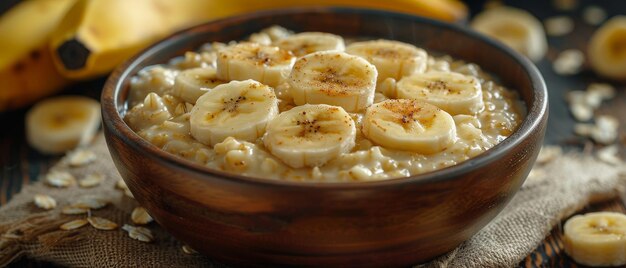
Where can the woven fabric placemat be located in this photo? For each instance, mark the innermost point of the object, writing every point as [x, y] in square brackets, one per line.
[555, 190]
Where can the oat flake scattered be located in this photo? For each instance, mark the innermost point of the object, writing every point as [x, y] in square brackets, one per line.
[188, 250]
[609, 155]
[605, 130]
[139, 233]
[80, 157]
[91, 180]
[140, 216]
[579, 105]
[569, 62]
[90, 202]
[75, 224]
[101, 223]
[60, 178]
[45, 201]
[559, 25]
[72, 210]
[604, 90]
[581, 112]
[594, 15]
[583, 129]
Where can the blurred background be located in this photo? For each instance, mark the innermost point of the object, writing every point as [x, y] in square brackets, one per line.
[68, 47]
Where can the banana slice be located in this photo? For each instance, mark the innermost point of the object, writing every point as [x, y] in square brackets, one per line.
[239, 109]
[308, 42]
[596, 239]
[190, 84]
[335, 78]
[310, 135]
[607, 49]
[267, 64]
[409, 125]
[515, 28]
[453, 92]
[392, 59]
[60, 124]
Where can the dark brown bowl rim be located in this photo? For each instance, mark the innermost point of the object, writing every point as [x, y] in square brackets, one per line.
[116, 125]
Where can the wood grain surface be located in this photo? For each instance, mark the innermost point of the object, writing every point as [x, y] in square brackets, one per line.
[22, 165]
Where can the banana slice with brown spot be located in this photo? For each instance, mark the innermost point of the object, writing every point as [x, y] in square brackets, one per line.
[409, 125]
[310, 135]
[190, 84]
[239, 109]
[269, 65]
[453, 92]
[334, 78]
[304, 43]
[393, 59]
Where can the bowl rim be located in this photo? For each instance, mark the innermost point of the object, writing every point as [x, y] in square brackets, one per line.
[113, 120]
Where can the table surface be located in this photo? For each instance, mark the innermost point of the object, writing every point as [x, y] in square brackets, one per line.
[22, 165]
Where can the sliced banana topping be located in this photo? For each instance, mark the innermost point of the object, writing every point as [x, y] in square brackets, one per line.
[267, 64]
[515, 28]
[596, 239]
[308, 42]
[190, 84]
[310, 135]
[59, 124]
[409, 125]
[239, 109]
[607, 49]
[453, 92]
[392, 59]
[334, 78]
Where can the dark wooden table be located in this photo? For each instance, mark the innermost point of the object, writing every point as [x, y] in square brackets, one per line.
[22, 165]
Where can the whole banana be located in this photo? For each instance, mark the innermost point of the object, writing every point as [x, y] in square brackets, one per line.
[52, 42]
[96, 35]
[26, 69]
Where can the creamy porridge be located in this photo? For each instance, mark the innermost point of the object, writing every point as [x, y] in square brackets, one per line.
[315, 107]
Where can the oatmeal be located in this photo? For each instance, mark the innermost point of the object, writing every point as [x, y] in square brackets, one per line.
[316, 107]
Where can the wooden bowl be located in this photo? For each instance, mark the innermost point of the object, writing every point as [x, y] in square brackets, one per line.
[251, 221]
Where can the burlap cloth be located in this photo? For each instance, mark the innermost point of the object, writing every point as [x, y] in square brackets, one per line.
[569, 183]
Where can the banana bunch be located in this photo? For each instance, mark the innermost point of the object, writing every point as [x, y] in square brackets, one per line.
[596, 239]
[52, 42]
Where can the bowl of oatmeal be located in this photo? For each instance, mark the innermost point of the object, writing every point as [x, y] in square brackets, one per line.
[339, 137]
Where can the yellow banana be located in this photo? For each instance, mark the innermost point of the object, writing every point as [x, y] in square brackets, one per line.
[26, 69]
[53, 41]
[96, 35]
